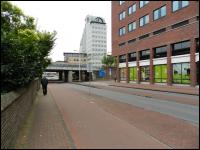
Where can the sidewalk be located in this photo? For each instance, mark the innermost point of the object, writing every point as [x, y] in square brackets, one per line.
[155, 87]
[44, 127]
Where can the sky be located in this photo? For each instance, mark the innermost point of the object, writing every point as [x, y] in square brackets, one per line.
[67, 18]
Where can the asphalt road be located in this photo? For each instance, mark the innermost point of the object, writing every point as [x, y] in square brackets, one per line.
[182, 111]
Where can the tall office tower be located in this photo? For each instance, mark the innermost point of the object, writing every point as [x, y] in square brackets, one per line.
[94, 42]
[156, 42]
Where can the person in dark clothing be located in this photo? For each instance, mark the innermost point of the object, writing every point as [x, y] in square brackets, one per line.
[44, 82]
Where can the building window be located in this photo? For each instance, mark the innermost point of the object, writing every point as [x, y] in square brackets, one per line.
[121, 2]
[145, 54]
[131, 41]
[132, 9]
[143, 3]
[180, 24]
[133, 73]
[160, 52]
[181, 73]
[143, 36]
[159, 13]
[122, 44]
[122, 15]
[160, 73]
[159, 31]
[122, 58]
[131, 26]
[122, 31]
[122, 74]
[145, 73]
[132, 56]
[144, 20]
[181, 48]
[176, 5]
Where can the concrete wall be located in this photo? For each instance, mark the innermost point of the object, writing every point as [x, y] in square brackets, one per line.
[15, 106]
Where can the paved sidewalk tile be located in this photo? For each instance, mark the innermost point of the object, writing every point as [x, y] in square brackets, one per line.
[47, 129]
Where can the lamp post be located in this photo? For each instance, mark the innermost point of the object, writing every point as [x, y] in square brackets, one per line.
[79, 68]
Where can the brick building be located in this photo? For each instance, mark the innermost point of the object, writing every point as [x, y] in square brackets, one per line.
[156, 42]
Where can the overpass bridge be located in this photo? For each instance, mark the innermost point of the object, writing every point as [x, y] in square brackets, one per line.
[68, 72]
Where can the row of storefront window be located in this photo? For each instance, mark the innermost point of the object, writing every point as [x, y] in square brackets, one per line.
[179, 48]
[181, 73]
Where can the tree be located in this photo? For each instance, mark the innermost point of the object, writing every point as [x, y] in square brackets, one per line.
[24, 50]
[108, 61]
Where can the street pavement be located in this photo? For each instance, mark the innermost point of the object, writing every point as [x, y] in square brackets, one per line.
[75, 116]
[92, 127]
[183, 111]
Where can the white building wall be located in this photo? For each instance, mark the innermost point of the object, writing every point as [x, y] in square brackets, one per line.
[94, 42]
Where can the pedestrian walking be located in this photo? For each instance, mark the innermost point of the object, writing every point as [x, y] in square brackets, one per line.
[115, 79]
[44, 82]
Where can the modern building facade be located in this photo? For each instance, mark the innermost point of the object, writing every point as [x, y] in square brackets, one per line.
[156, 42]
[94, 42]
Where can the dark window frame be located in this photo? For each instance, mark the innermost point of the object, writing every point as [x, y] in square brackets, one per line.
[122, 58]
[144, 57]
[132, 28]
[181, 51]
[180, 24]
[131, 79]
[161, 79]
[148, 79]
[121, 13]
[131, 8]
[123, 78]
[159, 13]
[179, 6]
[143, 20]
[122, 31]
[160, 54]
[130, 59]
[173, 80]
[121, 3]
[159, 31]
[143, 4]
[143, 36]
[122, 44]
[131, 41]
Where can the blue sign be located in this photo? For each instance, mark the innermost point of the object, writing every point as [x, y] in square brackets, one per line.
[102, 73]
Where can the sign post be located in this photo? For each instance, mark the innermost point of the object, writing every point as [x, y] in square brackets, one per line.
[89, 70]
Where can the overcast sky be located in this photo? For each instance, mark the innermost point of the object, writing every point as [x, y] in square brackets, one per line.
[67, 18]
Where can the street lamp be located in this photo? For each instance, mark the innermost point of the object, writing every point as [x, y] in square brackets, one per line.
[79, 68]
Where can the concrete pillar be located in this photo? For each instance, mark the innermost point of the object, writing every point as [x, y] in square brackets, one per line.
[60, 75]
[65, 76]
[70, 76]
[193, 69]
[117, 71]
[151, 66]
[169, 65]
[138, 68]
[127, 70]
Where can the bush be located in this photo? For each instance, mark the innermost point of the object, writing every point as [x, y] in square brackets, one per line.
[24, 50]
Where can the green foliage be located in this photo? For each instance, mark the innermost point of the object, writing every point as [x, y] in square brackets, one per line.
[24, 50]
[108, 61]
